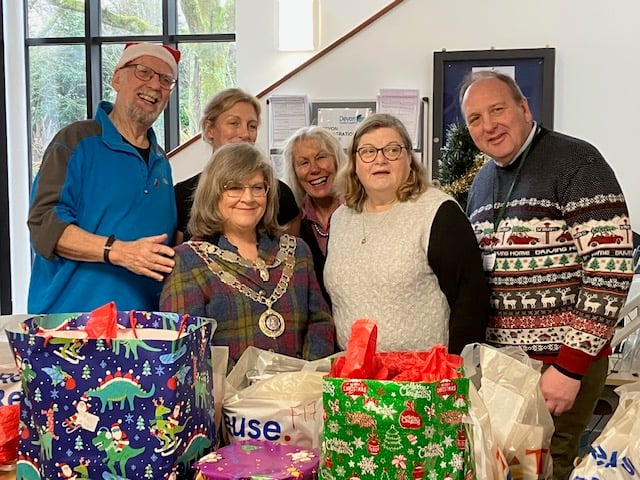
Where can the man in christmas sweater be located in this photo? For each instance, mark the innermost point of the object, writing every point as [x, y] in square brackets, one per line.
[553, 226]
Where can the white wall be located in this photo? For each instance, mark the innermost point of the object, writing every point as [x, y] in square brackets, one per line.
[597, 60]
[17, 142]
[260, 64]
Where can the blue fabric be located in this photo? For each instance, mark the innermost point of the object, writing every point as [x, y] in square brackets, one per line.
[107, 189]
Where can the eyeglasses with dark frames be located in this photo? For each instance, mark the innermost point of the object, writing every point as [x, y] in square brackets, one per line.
[144, 73]
[392, 151]
[236, 190]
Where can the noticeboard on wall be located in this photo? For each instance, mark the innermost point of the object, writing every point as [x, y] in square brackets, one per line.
[533, 70]
[341, 118]
[288, 113]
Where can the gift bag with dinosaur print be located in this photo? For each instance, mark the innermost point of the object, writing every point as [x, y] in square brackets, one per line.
[113, 394]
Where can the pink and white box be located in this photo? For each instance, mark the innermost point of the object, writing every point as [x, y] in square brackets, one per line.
[259, 458]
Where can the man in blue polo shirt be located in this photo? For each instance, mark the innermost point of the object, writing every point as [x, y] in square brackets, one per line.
[103, 214]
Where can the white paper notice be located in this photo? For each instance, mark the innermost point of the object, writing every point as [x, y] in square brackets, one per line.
[287, 113]
[277, 161]
[342, 122]
[509, 70]
[405, 105]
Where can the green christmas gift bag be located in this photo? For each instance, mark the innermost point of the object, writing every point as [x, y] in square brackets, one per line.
[394, 415]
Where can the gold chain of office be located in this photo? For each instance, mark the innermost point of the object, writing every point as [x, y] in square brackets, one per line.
[271, 323]
[259, 263]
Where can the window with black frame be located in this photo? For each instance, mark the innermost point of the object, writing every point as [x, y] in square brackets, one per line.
[72, 48]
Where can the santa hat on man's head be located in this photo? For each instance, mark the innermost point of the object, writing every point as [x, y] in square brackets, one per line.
[134, 50]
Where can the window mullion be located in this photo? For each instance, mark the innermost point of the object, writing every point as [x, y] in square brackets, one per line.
[93, 57]
[6, 306]
[171, 114]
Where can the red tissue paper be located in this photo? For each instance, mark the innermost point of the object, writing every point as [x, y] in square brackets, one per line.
[9, 416]
[362, 361]
[103, 322]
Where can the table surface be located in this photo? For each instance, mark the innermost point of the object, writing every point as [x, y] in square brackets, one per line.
[616, 379]
[8, 475]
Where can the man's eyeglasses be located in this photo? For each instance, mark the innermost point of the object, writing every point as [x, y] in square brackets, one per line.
[145, 74]
[368, 153]
[236, 190]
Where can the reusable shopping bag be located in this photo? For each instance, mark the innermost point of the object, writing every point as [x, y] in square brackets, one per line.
[113, 394]
[274, 397]
[615, 454]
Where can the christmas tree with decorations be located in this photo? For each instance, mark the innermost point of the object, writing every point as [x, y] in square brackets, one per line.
[459, 162]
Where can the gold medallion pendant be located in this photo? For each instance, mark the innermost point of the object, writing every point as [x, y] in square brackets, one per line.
[271, 323]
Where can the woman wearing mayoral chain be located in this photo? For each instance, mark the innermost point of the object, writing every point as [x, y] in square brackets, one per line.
[238, 268]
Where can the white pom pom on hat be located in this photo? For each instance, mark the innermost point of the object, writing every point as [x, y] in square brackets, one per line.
[134, 50]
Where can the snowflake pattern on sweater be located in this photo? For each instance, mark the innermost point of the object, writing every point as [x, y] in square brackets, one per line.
[562, 249]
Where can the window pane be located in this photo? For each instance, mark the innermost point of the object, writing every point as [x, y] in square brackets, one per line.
[131, 17]
[51, 18]
[57, 95]
[211, 16]
[205, 68]
[111, 53]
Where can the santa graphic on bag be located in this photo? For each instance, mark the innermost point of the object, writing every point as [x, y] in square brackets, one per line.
[119, 437]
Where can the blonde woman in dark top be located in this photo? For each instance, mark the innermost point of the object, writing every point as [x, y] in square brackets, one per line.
[233, 116]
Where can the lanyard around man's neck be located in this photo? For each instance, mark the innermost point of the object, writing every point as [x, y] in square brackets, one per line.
[503, 207]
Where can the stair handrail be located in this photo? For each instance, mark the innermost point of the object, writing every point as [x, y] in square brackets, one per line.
[332, 46]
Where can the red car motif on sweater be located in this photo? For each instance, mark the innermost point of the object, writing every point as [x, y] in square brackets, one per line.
[604, 238]
[488, 241]
[521, 238]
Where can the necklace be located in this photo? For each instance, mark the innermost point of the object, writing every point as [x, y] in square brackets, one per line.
[259, 264]
[319, 231]
[271, 323]
[377, 225]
